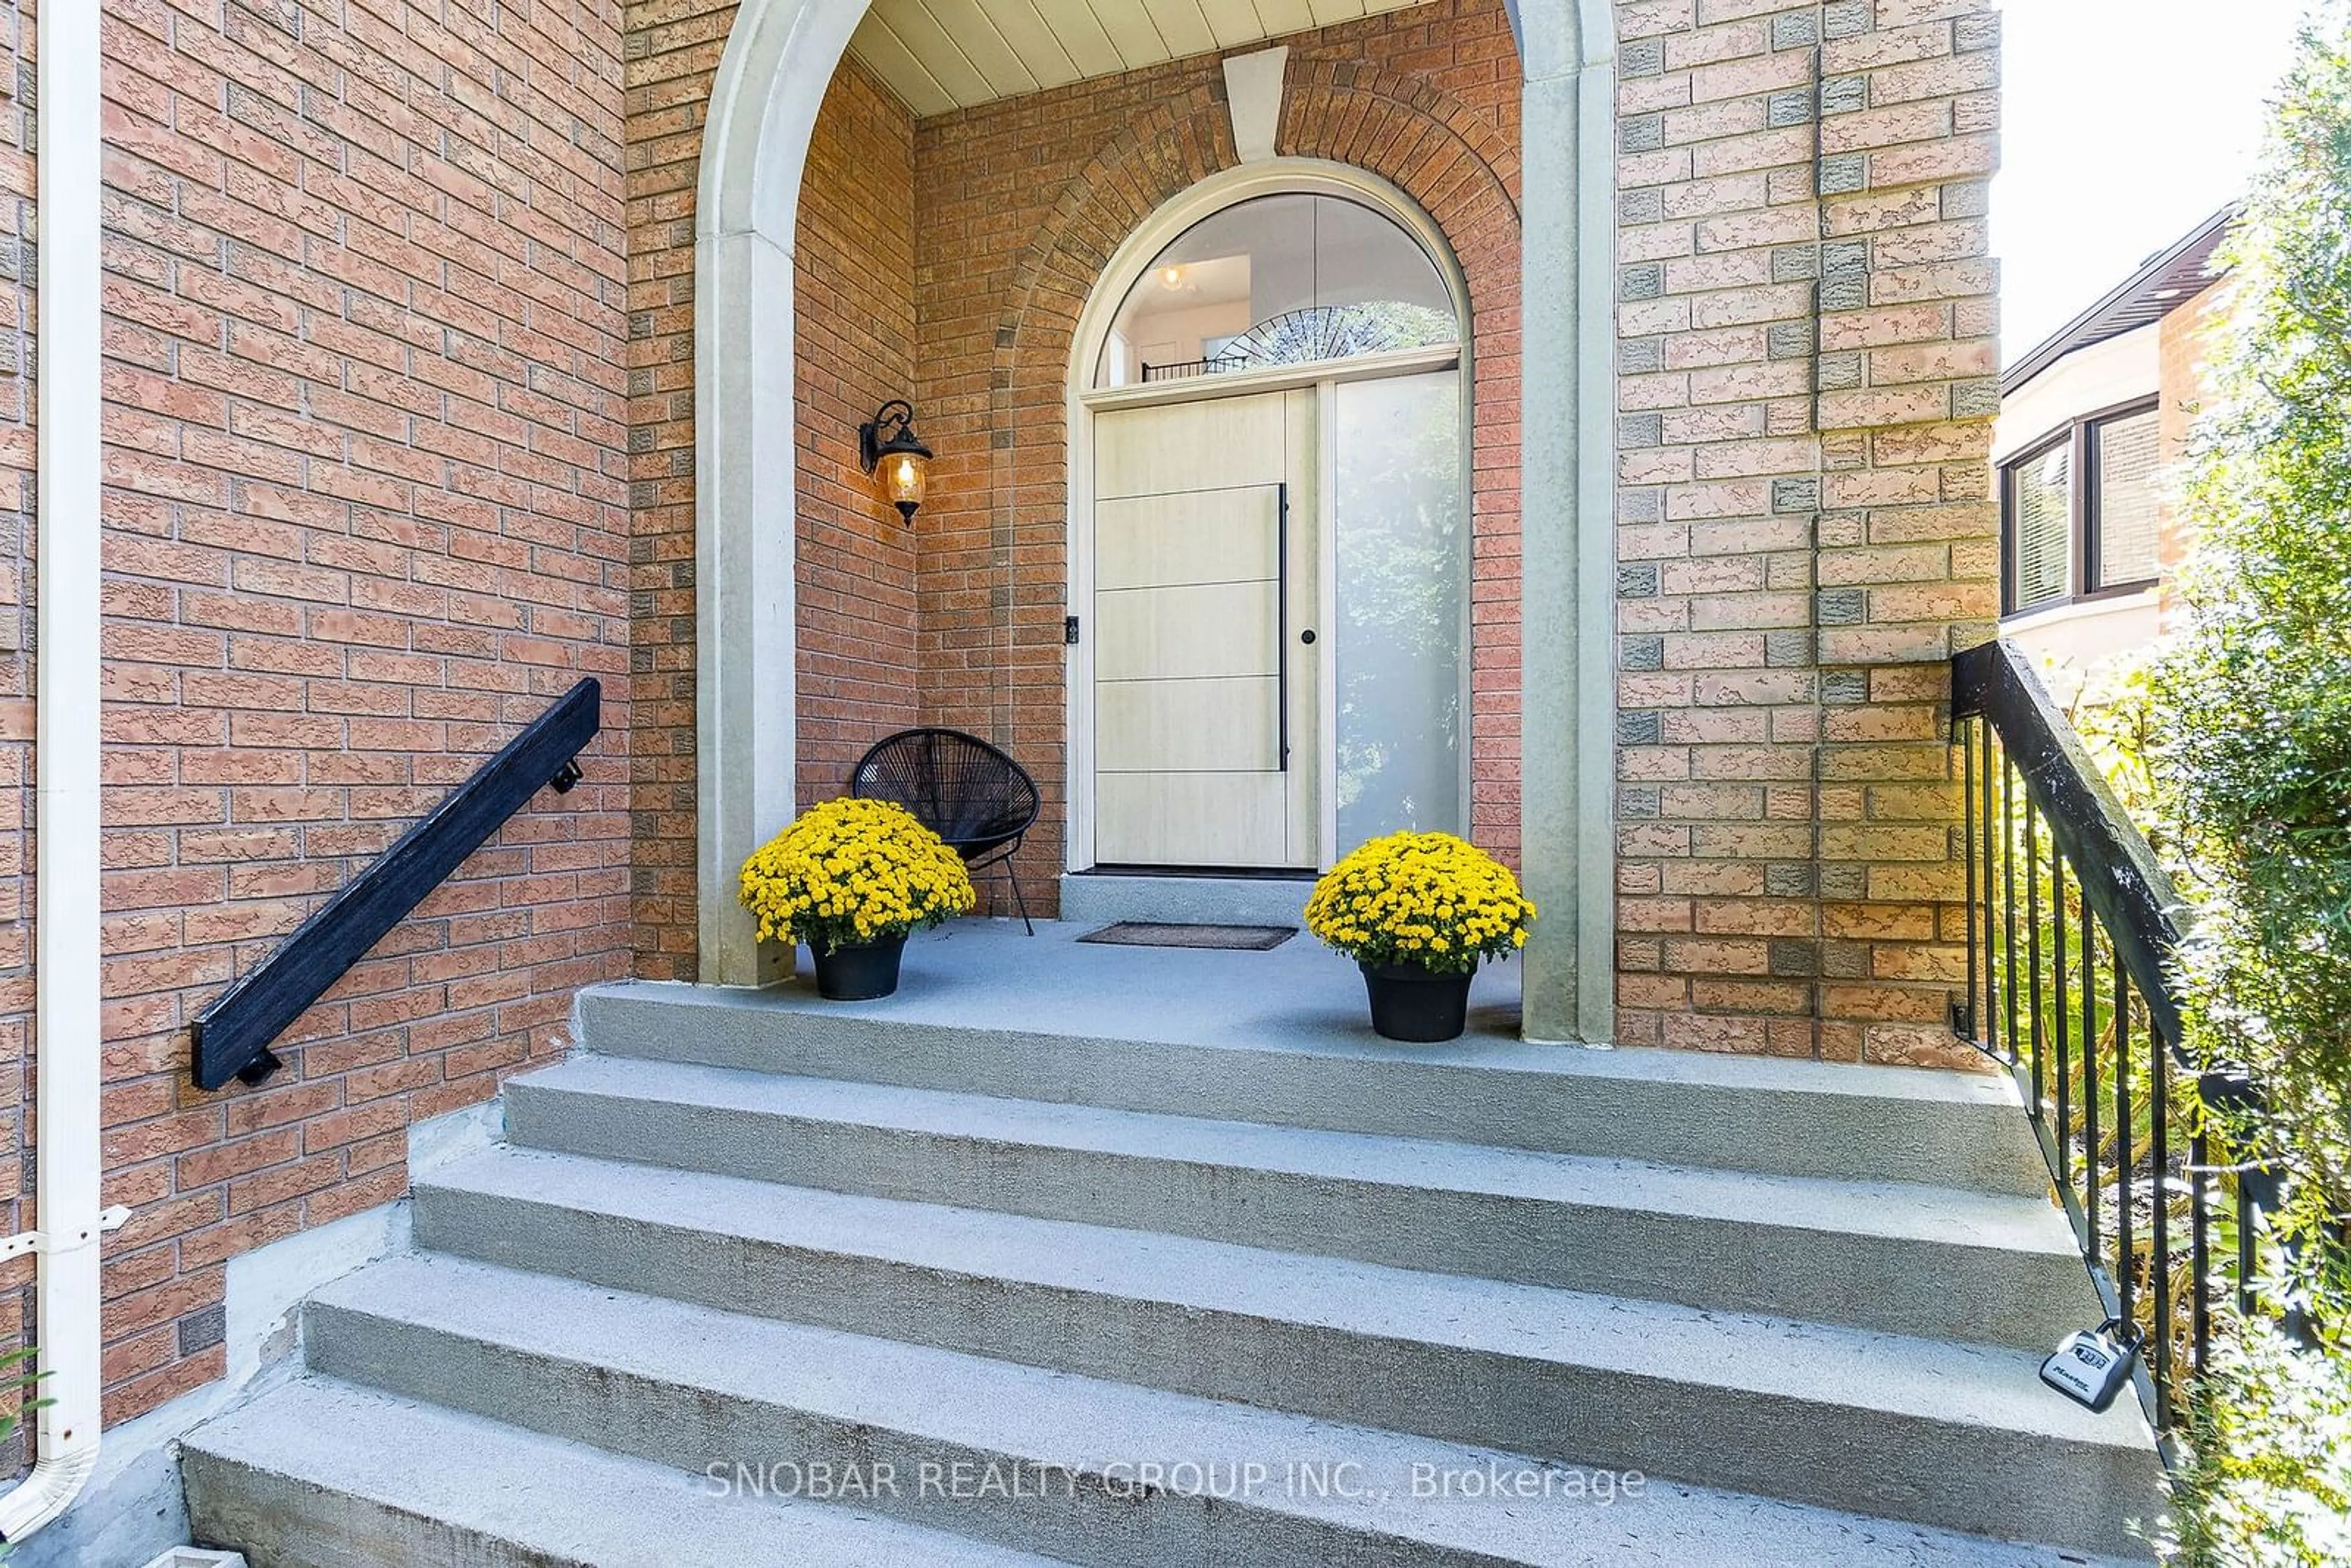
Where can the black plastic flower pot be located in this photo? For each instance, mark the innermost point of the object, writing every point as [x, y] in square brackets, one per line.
[860, 973]
[1415, 1004]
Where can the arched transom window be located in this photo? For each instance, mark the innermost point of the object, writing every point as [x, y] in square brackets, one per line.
[1288, 279]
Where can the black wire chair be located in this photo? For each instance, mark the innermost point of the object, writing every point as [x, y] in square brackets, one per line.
[972, 795]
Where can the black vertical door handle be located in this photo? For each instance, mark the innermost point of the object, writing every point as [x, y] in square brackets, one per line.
[1282, 624]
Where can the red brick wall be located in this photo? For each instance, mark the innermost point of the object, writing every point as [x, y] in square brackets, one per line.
[366, 514]
[1022, 203]
[853, 305]
[672, 51]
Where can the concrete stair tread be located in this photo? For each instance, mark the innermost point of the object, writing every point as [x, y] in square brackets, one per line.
[468, 1478]
[1268, 1029]
[1280, 1039]
[1900, 1209]
[1035, 1417]
[1988, 1387]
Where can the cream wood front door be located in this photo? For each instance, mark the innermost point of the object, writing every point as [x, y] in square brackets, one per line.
[1207, 567]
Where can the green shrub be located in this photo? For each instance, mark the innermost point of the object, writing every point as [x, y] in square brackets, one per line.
[2268, 1476]
[2249, 714]
[17, 1377]
[2244, 724]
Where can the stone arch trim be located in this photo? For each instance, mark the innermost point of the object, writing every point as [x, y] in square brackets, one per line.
[778, 59]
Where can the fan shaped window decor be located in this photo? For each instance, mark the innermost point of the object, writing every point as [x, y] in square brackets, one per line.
[1292, 279]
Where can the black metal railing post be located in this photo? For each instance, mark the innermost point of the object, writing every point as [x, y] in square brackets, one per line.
[2090, 1143]
[2126, 1164]
[2058, 1015]
[2199, 1248]
[1969, 1023]
[2158, 1283]
[2032, 951]
[1989, 1031]
[2008, 907]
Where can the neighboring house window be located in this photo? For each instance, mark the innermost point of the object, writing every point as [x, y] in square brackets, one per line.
[2079, 513]
[2040, 524]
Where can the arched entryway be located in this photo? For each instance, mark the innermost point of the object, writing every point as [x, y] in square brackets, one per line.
[781, 56]
[1270, 529]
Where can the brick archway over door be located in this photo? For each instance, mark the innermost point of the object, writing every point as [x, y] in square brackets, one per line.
[994, 570]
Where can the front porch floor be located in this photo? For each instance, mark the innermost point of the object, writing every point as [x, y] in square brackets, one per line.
[990, 973]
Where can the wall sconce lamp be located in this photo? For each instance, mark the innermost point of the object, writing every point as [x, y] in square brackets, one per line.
[888, 442]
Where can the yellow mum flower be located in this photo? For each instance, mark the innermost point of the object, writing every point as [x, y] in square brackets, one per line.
[851, 871]
[1428, 897]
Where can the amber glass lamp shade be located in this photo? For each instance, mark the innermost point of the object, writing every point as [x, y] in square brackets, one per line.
[902, 477]
[888, 445]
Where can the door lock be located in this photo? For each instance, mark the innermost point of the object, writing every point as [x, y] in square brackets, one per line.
[1307, 636]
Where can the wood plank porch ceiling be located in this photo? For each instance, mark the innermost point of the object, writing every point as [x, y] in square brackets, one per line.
[944, 55]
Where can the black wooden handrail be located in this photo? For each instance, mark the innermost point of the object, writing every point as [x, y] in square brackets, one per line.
[2120, 876]
[234, 1034]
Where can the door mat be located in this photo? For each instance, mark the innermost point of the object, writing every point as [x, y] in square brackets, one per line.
[1152, 934]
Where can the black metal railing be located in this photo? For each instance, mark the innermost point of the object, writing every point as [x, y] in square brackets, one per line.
[2071, 927]
[1185, 370]
[232, 1037]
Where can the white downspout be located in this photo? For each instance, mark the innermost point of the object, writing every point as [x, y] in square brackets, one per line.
[66, 761]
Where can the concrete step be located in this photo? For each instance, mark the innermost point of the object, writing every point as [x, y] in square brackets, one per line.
[1897, 1258]
[1130, 1029]
[1091, 899]
[1955, 1436]
[321, 1474]
[1074, 1467]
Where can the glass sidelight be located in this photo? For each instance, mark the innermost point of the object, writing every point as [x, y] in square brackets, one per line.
[1400, 547]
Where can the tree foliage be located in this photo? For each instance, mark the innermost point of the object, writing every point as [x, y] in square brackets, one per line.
[2251, 709]
[2268, 1477]
[2246, 720]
